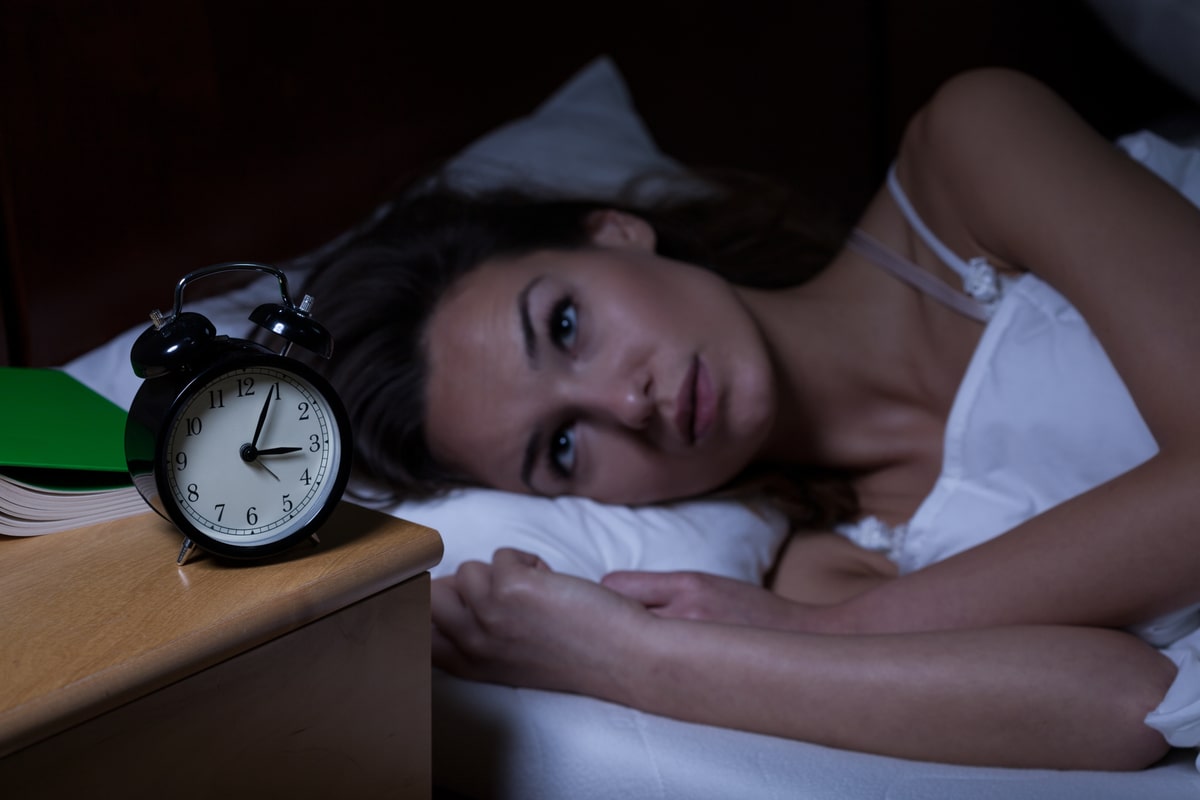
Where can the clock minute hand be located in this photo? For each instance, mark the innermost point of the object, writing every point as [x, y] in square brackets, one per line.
[278, 451]
[262, 417]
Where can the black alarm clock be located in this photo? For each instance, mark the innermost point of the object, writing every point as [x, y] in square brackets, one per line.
[246, 450]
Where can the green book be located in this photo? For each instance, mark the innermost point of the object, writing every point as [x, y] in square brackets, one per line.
[57, 433]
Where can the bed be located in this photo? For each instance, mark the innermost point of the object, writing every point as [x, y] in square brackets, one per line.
[580, 131]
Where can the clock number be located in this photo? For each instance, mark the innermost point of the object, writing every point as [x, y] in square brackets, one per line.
[315, 443]
[287, 504]
[216, 398]
[220, 509]
[251, 516]
[193, 492]
[181, 460]
[245, 387]
[303, 411]
[193, 426]
[306, 478]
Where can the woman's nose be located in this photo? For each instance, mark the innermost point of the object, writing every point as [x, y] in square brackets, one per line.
[634, 405]
[625, 400]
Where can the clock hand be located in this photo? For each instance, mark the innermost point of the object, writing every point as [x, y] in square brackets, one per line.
[278, 451]
[268, 469]
[262, 417]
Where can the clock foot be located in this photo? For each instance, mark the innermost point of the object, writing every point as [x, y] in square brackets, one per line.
[316, 540]
[185, 551]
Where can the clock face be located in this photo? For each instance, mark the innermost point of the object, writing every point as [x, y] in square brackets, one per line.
[253, 455]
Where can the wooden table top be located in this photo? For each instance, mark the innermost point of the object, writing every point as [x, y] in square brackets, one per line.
[95, 617]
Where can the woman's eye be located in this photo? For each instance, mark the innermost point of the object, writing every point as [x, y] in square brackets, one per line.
[562, 323]
[562, 452]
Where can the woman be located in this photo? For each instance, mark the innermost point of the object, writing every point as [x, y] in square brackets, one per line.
[599, 366]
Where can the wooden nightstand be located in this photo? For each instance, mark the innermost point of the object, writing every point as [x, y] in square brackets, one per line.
[304, 676]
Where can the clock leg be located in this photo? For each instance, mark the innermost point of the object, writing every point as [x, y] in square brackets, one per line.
[185, 551]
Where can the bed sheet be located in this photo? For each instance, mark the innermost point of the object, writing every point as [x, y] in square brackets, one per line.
[523, 744]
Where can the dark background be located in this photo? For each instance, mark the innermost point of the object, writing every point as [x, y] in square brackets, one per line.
[142, 139]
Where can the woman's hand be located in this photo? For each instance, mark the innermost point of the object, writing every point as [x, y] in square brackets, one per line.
[712, 598]
[514, 621]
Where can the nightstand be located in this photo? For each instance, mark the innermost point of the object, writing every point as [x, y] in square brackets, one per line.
[304, 676]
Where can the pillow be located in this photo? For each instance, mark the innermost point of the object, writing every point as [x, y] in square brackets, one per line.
[590, 539]
[1179, 166]
[588, 140]
[1162, 33]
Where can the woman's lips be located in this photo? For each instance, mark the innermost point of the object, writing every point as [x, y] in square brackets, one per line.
[695, 404]
[704, 409]
[685, 403]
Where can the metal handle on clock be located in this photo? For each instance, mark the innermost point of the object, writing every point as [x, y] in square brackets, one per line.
[233, 266]
[288, 320]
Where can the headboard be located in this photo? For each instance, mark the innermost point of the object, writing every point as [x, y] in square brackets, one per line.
[140, 140]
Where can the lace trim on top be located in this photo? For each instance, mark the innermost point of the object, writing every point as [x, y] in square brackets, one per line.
[981, 282]
[872, 533]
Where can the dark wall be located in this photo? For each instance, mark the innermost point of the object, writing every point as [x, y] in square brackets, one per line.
[142, 139]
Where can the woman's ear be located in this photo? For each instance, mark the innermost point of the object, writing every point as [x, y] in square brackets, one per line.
[612, 228]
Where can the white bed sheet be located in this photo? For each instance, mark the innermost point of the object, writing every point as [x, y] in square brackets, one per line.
[523, 744]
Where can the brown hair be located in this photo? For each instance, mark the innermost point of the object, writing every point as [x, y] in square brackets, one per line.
[378, 291]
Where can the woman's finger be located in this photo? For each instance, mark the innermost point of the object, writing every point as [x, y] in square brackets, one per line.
[510, 556]
[651, 589]
[473, 581]
[444, 600]
[446, 606]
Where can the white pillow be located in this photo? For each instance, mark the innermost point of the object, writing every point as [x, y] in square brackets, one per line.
[1178, 166]
[587, 140]
[589, 539]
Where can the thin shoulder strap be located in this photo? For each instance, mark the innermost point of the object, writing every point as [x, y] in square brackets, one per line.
[915, 276]
[980, 279]
[948, 256]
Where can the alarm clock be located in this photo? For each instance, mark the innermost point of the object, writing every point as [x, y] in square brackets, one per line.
[245, 449]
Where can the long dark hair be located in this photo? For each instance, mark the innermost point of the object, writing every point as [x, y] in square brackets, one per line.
[377, 292]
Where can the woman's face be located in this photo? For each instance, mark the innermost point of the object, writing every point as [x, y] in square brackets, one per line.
[606, 372]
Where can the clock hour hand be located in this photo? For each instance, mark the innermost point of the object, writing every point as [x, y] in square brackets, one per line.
[278, 451]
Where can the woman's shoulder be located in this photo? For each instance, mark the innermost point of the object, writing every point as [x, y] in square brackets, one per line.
[972, 106]
[972, 157]
[976, 121]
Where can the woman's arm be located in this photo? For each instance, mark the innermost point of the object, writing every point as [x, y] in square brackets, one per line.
[998, 164]
[1037, 696]
[814, 568]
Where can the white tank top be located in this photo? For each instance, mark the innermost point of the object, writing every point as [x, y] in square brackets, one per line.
[1041, 416]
